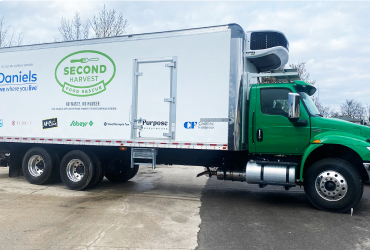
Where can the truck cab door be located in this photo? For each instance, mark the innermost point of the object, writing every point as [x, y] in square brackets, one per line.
[273, 132]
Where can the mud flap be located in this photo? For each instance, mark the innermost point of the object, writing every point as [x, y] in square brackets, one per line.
[17, 152]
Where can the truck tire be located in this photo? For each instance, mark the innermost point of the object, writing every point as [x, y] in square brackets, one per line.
[40, 166]
[119, 171]
[98, 173]
[134, 172]
[333, 185]
[77, 170]
[122, 175]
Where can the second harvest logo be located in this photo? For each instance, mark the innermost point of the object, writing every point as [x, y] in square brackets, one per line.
[85, 73]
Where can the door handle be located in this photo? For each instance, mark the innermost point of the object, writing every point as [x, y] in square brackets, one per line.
[129, 114]
[259, 135]
[253, 128]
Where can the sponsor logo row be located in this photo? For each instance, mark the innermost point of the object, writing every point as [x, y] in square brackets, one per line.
[50, 123]
[53, 123]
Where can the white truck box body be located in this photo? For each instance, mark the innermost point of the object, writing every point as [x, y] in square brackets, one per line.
[95, 91]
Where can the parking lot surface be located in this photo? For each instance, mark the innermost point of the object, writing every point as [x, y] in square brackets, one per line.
[168, 208]
[240, 216]
[158, 209]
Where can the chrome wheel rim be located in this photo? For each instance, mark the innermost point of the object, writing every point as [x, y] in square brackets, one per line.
[75, 170]
[36, 165]
[331, 185]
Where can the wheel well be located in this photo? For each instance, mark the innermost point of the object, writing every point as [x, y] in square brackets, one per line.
[337, 151]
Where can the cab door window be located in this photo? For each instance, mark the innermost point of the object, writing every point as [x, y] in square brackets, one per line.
[275, 101]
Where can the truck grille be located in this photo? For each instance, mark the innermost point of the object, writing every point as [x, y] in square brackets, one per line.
[265, 40]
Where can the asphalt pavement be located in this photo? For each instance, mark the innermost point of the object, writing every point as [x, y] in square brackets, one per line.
[241, 216]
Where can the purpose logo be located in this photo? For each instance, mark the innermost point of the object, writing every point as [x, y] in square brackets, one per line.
[155, 123]
[50, 123]
[81, 124]
[85, 73]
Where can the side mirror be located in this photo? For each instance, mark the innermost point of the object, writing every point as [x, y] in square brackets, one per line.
[294, 107]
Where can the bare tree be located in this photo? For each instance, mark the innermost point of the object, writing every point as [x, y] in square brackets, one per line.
[353, 109]
[74, 29]
[367, 113]
[9, 36]
[335, 114]
[107, 23]
[325, 111]
[301, 68]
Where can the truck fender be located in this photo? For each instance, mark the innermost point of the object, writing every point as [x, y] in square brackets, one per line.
[356, 143]
[306, 153]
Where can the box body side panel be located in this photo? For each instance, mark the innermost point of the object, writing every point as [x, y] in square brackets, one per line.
[84, 92]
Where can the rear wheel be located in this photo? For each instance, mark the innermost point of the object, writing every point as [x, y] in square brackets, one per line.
[98, 173]
[40, 166]
[333, 185]
[77, 170]
[134, 172]
[120, 171]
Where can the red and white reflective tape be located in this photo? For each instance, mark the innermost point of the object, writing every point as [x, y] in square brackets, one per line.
[159, 144]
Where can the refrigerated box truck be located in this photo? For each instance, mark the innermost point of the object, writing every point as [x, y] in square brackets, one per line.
[87, 109]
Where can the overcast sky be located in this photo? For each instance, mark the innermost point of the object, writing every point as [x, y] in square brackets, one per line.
[333, 38]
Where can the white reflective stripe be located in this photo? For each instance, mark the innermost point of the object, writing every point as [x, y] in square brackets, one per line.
[107, 142]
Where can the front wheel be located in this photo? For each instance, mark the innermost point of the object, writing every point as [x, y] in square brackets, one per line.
[333, 185]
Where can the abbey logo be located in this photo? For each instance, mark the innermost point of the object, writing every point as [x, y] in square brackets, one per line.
[80, 124]
[85, 73]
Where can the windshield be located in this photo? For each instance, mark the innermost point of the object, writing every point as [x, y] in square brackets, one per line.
[309, 104]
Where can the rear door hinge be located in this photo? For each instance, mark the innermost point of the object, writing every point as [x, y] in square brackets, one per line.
[173, 64]
[168, 134]
[172, 99]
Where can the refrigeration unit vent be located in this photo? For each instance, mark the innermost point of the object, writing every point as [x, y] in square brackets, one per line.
[265, 40]
[267, 50]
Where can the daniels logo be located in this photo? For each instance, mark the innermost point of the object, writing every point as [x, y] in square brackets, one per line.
[18, 81]
[85, 73]
[50, 123]
[81, 124]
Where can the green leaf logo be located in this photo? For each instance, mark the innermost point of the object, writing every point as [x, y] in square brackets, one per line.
[85, 73]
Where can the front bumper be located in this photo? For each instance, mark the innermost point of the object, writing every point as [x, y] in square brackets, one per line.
[367, 167]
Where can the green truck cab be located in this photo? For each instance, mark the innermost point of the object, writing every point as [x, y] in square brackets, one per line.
[332, 154]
